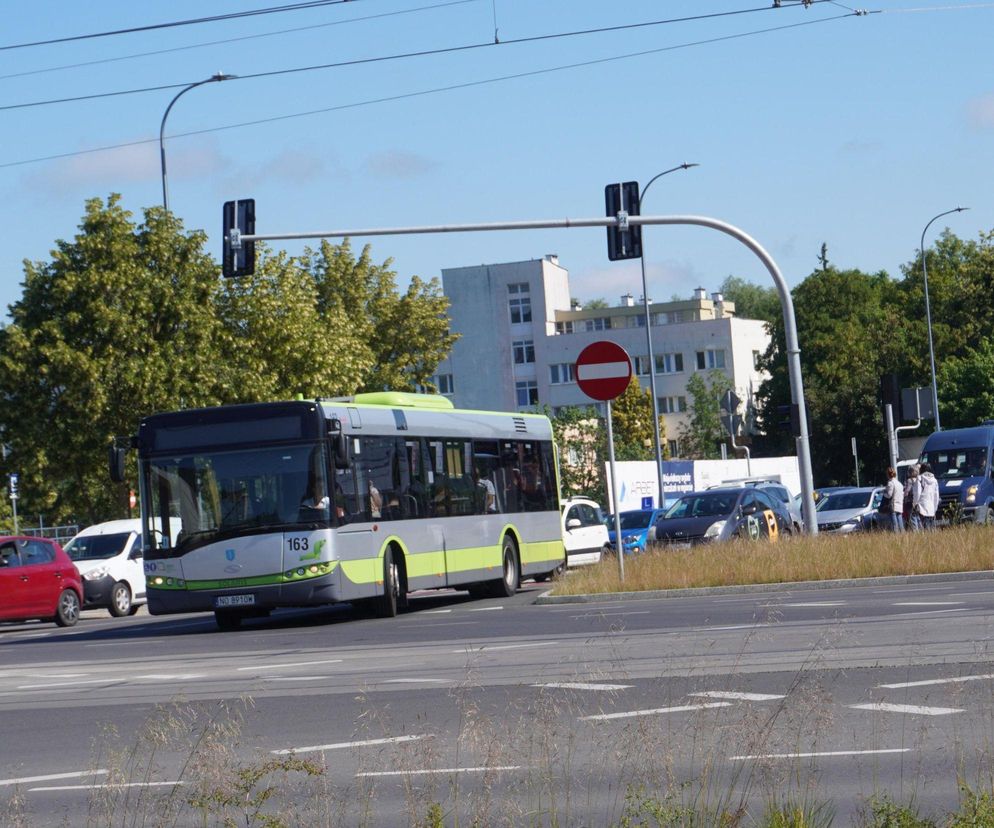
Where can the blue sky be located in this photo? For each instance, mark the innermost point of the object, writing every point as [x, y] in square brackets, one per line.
[849, 130]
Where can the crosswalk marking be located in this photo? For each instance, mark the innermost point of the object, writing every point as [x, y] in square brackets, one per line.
[683, 708]
[728, 694]
[579, 685]
[914, 709]
[927, 682]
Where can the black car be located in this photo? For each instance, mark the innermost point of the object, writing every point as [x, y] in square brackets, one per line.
[722, 514]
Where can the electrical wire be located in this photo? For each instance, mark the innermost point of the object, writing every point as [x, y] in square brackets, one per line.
[234, 39]
[433, 91]
[312, 4]
[404, 56]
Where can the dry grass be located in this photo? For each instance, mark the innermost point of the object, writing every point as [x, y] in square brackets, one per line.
[825, 557]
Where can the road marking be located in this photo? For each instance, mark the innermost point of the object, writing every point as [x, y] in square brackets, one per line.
[418, 681]
[489, 649]
[590, 604]
[341, 745]
[108, 785]
[927, 603]
[820, 753]
[53, 776]
[65, 684]
[172, 676]
[927, 682]
[295, 664]
[684, 708]
[938, 612]
[727, 694]
[738, 627]
[440, 770]
[435, 612]
[809, 604]
[485, 609]
[914, 709]
[579, 685]
[605, 614]
[294, 678]
[55, 675]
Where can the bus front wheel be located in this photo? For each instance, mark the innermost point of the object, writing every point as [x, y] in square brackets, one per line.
[388, 602]
[510, 571]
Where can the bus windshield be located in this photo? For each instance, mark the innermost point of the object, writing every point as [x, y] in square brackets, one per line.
[217, 494]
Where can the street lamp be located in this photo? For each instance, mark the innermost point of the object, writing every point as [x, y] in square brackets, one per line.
[648, 338]
[928, 314]
[162, 128]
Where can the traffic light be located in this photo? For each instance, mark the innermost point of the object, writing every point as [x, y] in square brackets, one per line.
[240, 216]
[623, 243]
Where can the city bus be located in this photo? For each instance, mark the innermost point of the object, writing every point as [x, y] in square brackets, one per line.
[246, 508]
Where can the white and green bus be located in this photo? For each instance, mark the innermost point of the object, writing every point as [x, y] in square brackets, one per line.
[246, 508]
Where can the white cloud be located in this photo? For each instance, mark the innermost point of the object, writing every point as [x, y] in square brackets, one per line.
[399, 164]
[980, 111]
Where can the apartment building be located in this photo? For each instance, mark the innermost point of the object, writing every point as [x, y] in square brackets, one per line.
[520, 336]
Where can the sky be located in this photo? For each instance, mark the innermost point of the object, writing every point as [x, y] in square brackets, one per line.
[811, 124]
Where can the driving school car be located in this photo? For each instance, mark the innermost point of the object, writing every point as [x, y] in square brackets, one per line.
[722, 514]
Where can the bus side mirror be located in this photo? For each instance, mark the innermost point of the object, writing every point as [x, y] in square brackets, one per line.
[339, 444]
[116, 462]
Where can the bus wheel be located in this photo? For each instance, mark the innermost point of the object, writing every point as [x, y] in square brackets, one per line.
[386, 604]
[227, 620]
[511, 572]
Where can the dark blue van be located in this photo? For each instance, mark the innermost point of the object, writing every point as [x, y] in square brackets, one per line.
[961, 461]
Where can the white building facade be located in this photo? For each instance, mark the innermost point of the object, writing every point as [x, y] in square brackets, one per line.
[520, 337]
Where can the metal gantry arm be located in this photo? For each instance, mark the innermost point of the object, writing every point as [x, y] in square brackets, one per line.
[786, 301]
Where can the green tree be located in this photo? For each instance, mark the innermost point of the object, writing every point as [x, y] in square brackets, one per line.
[631, 418]
[752, 301]
[399, 338]
[120, 322]
[581, 441]
[969, 381]
[703, 432]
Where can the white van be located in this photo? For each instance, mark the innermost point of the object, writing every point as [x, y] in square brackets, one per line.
[109, 559]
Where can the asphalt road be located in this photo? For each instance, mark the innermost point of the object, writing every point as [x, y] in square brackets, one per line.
[509, 711]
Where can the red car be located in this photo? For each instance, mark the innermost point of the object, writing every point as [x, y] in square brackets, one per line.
[38, 580]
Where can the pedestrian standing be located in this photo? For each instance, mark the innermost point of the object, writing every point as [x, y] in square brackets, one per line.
[909, 496]
[893, 501]
[928, 497]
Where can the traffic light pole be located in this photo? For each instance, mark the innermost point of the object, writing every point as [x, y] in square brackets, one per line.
[235, 239]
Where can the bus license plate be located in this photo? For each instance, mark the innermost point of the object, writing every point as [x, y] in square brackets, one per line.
[234, 601]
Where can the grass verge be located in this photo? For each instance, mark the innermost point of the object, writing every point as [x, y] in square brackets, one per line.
[824, 557]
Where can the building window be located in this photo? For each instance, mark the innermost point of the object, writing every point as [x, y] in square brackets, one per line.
[564, 327]
[672, 405]
[527, 392]
[524, 351]
[521, 309]
[642, 366]
[444, 384]
[756, 356]
[601, 323]
[711, 358]
[518, 287]
[669, 363]
[561, 373]
[635, 321]
[674, 448]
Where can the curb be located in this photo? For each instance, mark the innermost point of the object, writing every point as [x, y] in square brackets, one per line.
[745, 589]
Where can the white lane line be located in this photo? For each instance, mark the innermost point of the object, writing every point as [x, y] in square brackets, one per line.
[810, 604]
[172, 676]
[579, 685]
[913, 709]
[591, 605]
[435, 612]
[65, 684]
[486, 609]
[683, 708]
[927, 603]
[489, 649]
[728, 694]
[966, 594]
[284, 666]
[738, 627]
[342, 745]
[440, 770]
[820, 753]
[605, 614]
[294, 678]
[936, 612]
[418, 681]
[54, 675]
[53, 776]
[927, 682]
[108, 786]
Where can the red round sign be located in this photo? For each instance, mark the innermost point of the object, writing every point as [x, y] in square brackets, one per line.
[603, 370]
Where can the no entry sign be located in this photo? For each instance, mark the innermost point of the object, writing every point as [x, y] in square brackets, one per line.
[603, 370]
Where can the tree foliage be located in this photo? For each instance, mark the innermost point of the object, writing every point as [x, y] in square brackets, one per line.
[752, 301]
[129, 318]
[581, 442]
[703, 433]
[631, 420]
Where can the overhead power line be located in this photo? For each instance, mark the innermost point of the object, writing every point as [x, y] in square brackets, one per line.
[433, 91]
[407, 55]
[313, 4]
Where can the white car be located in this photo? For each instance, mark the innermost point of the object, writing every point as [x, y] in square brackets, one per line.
[109, 559]
[584, 532]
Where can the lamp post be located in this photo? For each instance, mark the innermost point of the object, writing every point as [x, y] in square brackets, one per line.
[928, 314]
[648, 339]
[162, 128]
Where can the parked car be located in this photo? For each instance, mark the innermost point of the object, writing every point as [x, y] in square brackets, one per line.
[775, 488]
[638, 529]
[584, 533]
[38, 581]
[849, 510]
[722, 514]
[109, 559]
